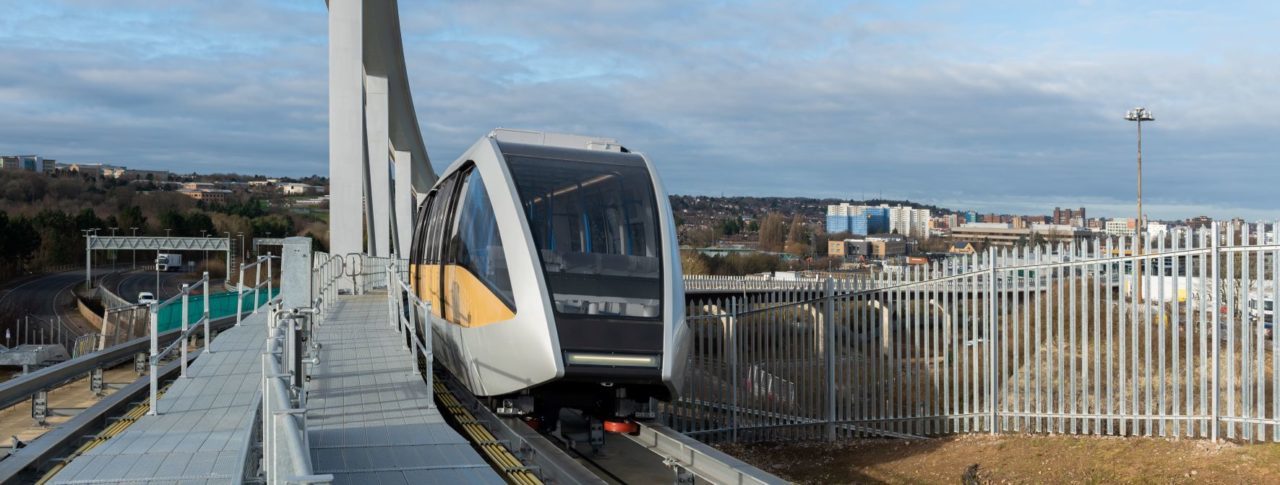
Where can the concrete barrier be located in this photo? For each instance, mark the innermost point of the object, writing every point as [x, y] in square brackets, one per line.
[88, 314]
[111, 300]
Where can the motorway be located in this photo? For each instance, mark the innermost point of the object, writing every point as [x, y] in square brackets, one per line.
[127, 285]
[48, 299]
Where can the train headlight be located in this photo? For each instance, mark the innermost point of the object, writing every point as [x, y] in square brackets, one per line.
[614, 360]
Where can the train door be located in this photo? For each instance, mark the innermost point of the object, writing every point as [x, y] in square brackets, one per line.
[430, 272]
[476, 280]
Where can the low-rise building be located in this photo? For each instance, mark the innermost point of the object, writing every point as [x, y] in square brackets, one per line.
[1004, 234]
[848, 249]
[300, 189]
[881, 247]
[155, 175]
[30, 163]
[962, 247]
[207, 195]
[1121, 227]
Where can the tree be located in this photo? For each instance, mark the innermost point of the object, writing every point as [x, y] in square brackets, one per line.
[730, 227]
[772, 233]
[132, 217]
[693, 262]
[18, 241]
[797, 237]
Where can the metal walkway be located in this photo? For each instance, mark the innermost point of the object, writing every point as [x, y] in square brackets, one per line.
[203, 432]
[369, 418]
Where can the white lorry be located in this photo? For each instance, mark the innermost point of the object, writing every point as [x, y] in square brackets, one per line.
[169, 262]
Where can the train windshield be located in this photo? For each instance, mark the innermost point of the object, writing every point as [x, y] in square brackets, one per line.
[594, 220]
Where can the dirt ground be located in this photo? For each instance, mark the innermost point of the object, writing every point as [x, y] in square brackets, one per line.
[1017, 459]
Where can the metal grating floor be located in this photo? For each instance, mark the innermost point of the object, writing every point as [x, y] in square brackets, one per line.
[368, 415]
[203, 431]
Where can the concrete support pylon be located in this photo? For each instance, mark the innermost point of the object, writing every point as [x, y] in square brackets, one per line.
[404, 204]
[378, 163]
[378, 202]
[346, 126]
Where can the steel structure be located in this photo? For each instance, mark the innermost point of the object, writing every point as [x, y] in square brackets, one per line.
[377, 159]
[145, 243]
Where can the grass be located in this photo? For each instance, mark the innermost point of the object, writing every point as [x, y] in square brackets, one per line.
[1017, 459]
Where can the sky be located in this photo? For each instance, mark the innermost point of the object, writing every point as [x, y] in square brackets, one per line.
[1013, 107]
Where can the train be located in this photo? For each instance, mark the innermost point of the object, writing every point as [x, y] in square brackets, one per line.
[552, 272]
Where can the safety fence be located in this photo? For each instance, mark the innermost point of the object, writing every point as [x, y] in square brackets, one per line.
[36, 330]
[291, 351]
[408, 314]
[1167, 337]
[224, 304]
[182, 343]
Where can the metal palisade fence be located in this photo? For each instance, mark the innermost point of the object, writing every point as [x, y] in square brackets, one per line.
[1105, 337]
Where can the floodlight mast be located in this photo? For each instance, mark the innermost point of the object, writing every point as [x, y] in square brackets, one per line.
[1139, 115]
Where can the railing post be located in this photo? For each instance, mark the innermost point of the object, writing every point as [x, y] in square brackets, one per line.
[992, 350]
[257, 283]
[1217, 288]
[268, 462]
[240, 295]
[269, 275]
[208, 346]
[829, 334]
[182, 339]
[427, 336]
[393, 319]
[155, 349]
[735, 383]
[413, 334]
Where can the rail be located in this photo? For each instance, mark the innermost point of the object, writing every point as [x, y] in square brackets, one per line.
[325, 277]
[257, 284]
[689, 456]
[402, 307]
[284, 396]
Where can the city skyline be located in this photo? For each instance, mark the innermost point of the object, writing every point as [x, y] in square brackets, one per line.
[986, 107]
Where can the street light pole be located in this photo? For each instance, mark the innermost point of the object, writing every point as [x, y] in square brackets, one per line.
[204, 234]
[157, 295]
[1139, 115]
[134, 252]
[227, 277]
[113, 252]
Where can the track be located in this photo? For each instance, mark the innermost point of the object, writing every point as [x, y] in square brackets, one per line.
[619, 461]
[623, 459]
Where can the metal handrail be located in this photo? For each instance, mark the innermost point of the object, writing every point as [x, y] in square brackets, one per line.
[397, 291]
[325, 278]
[284, 401]
[181, 342]
[257, 284]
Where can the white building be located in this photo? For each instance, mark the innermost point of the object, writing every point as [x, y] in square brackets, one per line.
[1120, 227]
[300, 189]
[909, 222]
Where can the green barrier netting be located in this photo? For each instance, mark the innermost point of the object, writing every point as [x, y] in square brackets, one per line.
[220, 305]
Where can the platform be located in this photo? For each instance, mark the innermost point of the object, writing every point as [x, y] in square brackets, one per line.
[204, 429]
[369, 418]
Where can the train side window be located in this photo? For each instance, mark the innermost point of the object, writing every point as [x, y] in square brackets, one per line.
[476, 245]
[420, 230]
[437, 217]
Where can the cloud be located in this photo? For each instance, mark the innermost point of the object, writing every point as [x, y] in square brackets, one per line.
[980, 106]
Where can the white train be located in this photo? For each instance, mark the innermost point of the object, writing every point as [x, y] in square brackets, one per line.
[551, 265]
